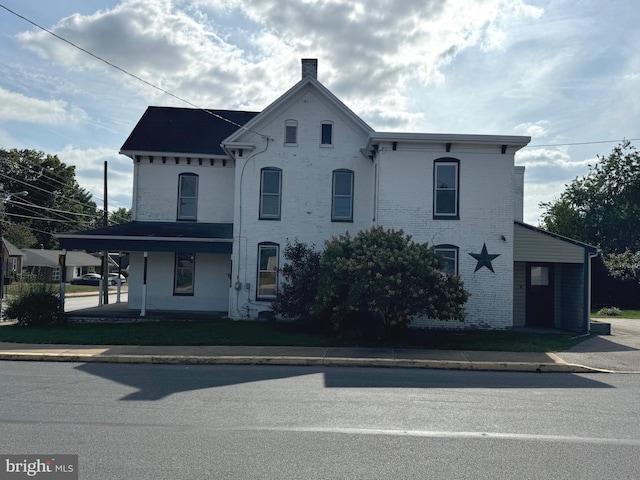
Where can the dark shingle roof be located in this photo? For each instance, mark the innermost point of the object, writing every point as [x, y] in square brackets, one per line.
[153, 236]
[184, 130]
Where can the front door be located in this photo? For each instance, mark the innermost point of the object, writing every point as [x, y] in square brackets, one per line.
[540, 295]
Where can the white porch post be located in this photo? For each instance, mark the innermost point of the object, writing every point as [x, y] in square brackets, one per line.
[143, 308]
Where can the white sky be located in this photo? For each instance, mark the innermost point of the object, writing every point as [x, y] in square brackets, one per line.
[563, 72]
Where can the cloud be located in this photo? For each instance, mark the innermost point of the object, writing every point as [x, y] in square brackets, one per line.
[89, 165]
[18, 107]
[234, 54]
[549, 165]
[534, 130]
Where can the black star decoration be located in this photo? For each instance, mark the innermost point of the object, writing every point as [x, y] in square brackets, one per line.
[483, 258]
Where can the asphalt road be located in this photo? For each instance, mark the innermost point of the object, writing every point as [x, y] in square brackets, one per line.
[619, 352]
[243, 422]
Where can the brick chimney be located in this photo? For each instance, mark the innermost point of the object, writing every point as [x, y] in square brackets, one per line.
[310, 68]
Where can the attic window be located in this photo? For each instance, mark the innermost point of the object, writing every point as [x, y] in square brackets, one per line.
[326, 138]
[291, 132]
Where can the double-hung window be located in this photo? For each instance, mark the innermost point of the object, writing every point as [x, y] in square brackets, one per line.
[267, 271]
[449, 256]
[188, 196]
[446, 195]
[184, 273]
[270, 193]
[342, 201]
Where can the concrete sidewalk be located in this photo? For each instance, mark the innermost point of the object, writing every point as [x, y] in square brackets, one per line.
[311, 356]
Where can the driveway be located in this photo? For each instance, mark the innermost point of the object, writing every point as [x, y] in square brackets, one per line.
[619, 351]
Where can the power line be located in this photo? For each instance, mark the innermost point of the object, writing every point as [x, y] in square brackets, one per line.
[112, 65]
[581, 143]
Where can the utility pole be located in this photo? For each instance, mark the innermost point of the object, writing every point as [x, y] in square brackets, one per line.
[105, 253]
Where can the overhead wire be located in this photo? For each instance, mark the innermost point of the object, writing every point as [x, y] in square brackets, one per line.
[126, 72]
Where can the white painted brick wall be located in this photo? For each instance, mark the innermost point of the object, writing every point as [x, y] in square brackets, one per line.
[306, 191]
[156, 190]
[486, 215]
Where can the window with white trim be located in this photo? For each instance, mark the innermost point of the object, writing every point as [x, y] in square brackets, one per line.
[270, 193]
[184, 273]
[342, 196]
[446, 189]
[449, 254]
[188, 196]
[326, 134]
[291, 132]
[267, 284]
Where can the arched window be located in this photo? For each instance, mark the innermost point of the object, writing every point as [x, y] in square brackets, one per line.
[270, 193]
[342, 196]
[446, 188]
[449, 254]
[268, 258]
[187, 196]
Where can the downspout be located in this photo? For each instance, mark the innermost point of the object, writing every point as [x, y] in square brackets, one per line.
[238, 256]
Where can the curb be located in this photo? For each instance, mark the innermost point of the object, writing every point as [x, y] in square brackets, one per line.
[306, 361]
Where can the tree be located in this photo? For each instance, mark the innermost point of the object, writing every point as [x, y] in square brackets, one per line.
[381, 278]
[603, 207]
[301, 274]
[122, 215]
[55, 202]
[19, 235]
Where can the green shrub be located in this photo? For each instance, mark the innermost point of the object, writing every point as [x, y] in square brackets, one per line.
[36, 306]
[609, 311]
[380, 280]
[297, 293]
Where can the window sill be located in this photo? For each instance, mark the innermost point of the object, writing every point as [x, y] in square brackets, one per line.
[446, 217]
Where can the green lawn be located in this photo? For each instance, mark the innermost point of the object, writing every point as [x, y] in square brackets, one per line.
[623, 314]
[227, 332]
[18, 287]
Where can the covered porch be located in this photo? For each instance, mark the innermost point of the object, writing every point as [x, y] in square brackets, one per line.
[175, 266]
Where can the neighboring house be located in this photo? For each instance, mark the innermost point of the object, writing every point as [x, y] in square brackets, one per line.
[46, 266]
[12, 260]
[217, 194]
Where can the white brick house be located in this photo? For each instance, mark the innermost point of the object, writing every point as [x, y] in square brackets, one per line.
[217, 194]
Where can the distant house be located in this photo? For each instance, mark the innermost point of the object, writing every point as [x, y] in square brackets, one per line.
[217, 194]
[45, 264]
[11, 260]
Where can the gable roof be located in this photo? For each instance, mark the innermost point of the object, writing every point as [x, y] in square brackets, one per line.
[291, 95]
[11, 249]
[170, 130]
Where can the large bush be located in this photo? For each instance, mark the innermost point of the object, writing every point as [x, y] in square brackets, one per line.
[382, 279]
[300, 273]
[37, 306]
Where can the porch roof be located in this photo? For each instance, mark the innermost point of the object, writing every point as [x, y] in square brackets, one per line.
[188, 237]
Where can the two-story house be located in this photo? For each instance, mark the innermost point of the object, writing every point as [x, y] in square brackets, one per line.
[217, 194]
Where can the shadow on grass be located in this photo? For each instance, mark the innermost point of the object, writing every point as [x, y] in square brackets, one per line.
[250, 333]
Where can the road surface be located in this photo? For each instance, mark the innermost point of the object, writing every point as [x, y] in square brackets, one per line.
[272, 422]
